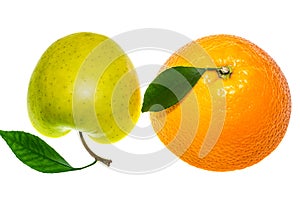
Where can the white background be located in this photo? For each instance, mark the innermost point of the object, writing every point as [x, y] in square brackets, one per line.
[29, 27]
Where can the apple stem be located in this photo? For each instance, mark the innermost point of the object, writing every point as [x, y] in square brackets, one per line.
[98, 158]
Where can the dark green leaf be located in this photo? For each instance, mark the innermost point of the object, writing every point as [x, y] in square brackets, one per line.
[36, 153]
[169, 87]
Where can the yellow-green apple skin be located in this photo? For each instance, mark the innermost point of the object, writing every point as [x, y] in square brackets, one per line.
[85, 82]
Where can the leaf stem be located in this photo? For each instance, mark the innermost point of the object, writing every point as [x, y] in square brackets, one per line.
[95, 161]
[97, 158]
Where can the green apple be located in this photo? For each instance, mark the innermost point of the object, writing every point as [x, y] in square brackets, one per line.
[84, 82]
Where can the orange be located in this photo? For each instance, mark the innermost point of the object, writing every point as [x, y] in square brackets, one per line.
[243, 119]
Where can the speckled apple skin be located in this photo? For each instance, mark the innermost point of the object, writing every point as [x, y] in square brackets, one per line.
[77, 85]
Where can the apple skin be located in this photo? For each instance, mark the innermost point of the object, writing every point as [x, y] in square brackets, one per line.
[85, 82]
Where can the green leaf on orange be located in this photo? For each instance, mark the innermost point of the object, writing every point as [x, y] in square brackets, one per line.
[170, 87]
